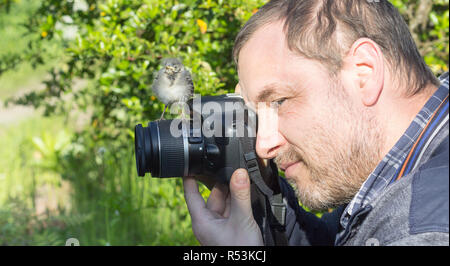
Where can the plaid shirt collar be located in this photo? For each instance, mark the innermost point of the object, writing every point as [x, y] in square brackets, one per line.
[381, 177]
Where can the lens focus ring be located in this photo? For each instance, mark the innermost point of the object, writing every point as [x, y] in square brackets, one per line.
[172, 151]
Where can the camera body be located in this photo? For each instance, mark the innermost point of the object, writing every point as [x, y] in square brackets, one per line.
[205, 144]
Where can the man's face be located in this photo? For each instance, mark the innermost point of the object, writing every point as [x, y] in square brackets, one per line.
[323, 138]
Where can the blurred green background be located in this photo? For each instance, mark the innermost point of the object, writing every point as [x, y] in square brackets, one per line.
[74, 80]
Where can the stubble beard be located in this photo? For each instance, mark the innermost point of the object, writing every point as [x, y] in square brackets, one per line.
[336, 169]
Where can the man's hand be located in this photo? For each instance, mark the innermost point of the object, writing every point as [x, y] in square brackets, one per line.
[227, 218]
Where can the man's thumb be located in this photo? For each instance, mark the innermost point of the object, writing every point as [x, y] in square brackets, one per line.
[240, 195]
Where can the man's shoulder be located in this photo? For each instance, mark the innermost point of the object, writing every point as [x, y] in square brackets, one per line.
[416, 204]
[429, 209]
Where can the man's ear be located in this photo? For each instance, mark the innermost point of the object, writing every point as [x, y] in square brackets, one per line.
[366, 62]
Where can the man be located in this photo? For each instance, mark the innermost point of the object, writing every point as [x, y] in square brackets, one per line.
[362, 127]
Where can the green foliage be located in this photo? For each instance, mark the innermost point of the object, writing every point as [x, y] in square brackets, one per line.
[6, 4]
[20, 226]
[117, 47]
[124, 209]
[118, 44]
[429, 23]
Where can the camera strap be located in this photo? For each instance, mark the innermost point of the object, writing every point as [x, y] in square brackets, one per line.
[269, 209]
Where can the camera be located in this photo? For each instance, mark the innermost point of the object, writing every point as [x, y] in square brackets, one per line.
[216, 137]
[207, 142]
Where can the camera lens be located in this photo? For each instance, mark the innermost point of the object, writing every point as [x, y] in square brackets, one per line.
[147, 149]
[160, 153]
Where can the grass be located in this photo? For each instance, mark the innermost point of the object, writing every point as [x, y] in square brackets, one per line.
[99, 200]
[125, 209]
[22, 198]
[17, 165]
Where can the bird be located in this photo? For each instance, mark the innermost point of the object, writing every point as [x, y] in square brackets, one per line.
[172, 83]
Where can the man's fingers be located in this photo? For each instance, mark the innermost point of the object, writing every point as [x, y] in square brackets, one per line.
[226, 213]
[217, 199]
[240, 208]
[194, 201]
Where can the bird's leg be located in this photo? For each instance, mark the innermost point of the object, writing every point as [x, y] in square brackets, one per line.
[162, 115]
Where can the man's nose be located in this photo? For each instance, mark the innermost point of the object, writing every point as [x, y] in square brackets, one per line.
[268, 140]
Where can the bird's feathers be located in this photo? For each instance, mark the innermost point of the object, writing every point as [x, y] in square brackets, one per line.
[170, 85]
[171, 61]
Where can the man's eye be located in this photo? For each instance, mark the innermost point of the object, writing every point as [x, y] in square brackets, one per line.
[280, 101]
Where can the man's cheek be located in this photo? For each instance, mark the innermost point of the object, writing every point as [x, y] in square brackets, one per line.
[292, 130]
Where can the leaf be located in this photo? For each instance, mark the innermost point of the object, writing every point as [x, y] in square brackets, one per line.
[202, 25]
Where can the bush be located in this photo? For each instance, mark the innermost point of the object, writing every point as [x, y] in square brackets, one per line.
[117, 48]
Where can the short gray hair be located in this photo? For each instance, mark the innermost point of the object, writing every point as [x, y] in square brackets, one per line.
[311, 26]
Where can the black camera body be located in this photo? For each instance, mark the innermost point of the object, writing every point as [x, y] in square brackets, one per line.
[218, 137]
[205, 144]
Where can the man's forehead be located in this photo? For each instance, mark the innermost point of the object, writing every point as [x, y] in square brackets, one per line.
[262, 59]
[266, 93]
[268, 69]
[267, 44]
